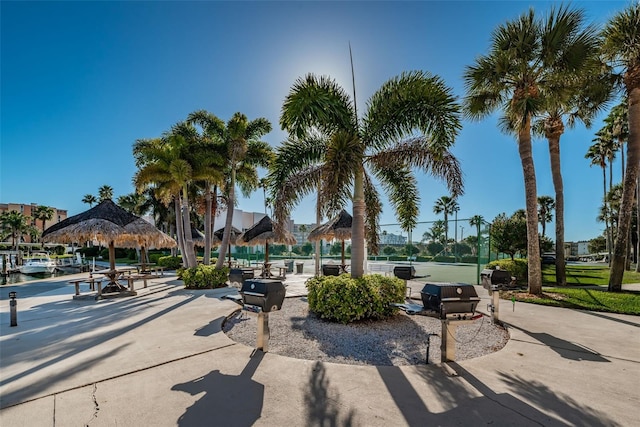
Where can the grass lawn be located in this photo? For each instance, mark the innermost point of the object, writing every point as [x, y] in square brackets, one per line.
[587, 275]
[583, 298]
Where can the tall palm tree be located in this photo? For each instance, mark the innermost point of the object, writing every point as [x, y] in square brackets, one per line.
[105, 192]
[598, 154]
[163, 162]
[580, 92]
[89, 199]
[527, 62]
[245, 152]
[445, 205]
[621, 48]
[617, 126]
[210, 161]
[546, 205]
[382, 145]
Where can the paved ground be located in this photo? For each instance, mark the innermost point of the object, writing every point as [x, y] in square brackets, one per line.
[160, 359]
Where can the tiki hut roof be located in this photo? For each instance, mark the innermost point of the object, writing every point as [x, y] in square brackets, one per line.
[197, 236]
[338, 228]
[108, 222]
[263, 231]
[219, 234]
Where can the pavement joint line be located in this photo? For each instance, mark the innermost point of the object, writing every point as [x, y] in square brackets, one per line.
[124, 374]
[586, 351]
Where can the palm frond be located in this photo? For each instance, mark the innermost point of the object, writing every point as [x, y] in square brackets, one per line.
[373, 211]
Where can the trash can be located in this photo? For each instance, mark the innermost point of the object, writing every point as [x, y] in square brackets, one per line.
[299, 267]
[289, 265]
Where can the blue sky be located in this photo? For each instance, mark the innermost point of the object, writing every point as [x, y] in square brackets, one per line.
[81, 81]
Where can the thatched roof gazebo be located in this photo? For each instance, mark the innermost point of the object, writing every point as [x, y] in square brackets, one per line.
[217, 238]
[263, 232]
[110, 225]
[338, 228]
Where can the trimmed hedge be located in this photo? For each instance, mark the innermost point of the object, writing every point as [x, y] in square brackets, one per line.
[343, 299]
[204, 277]
[518, 268]
[170, 262]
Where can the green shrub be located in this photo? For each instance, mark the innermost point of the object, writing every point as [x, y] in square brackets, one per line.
[89, 252]
[204, 277]
[442, 258]
[468, 259]
[170, 262]
[154, 257]
[517, 267]
[343, 299]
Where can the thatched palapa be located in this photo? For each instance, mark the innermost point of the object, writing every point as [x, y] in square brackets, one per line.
[110, 225]
[338, 228]
[263, 232]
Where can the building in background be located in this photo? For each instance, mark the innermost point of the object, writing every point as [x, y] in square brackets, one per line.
[28, 211]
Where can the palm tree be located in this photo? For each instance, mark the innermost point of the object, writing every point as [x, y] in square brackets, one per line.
[617, 127]
[105, 192]
[580, 92]
[621, 48]
[43, 213]
[297, 171]
[598, 154]
[209, 164]
[546, 205]
[163, 162]
[245, 152]
[382, 144]
[15, 224]
[89, 199]
[445, 205]
[529, 58]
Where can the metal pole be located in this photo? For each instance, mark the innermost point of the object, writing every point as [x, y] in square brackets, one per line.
[14, 308]
[263, 332]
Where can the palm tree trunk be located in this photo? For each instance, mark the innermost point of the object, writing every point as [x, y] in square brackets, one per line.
[533, 244]
[556, 173]
[188, 237]
[226, 236]
[637, 247]
[357, 226]
[606, 212]
[628, 191]
[318, 221]
[207, 227]
[180, 229]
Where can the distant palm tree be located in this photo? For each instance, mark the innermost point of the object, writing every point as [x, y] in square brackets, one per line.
[598, 154]
[621, 48]
[546, 205]
[105, 192]
[134, 203]
[410, 122]
[43, 213]
[14, 224]
[89, 199]
[445, 205]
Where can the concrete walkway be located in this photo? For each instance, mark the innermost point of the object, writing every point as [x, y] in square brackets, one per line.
[160, 359]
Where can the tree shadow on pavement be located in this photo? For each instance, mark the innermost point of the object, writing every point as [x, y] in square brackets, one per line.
[463, 399]
[229, 400]
[322, 408]
[564, 348]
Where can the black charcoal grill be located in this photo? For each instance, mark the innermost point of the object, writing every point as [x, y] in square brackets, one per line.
[406, 272]
[330, 270]
[499, 278]
[265, 294]
[450, 299]
[239, 275]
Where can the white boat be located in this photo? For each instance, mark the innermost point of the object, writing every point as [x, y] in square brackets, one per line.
[38, 263]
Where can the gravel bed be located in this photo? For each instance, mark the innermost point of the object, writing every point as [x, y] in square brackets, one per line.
[402, 340]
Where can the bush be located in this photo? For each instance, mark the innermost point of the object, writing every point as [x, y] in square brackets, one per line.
[154, 257]
[89, 252]
[170, 262]
[518, 268]
[343, 299]
[442, 258]
[204, 277]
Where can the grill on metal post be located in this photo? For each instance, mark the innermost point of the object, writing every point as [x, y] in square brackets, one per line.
[262, 296]
[450, 299]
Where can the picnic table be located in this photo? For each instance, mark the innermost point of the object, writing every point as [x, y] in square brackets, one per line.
[113, 276]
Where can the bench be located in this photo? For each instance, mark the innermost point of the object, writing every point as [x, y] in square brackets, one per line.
[381, 268]
[133, 277]
[91, 281]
